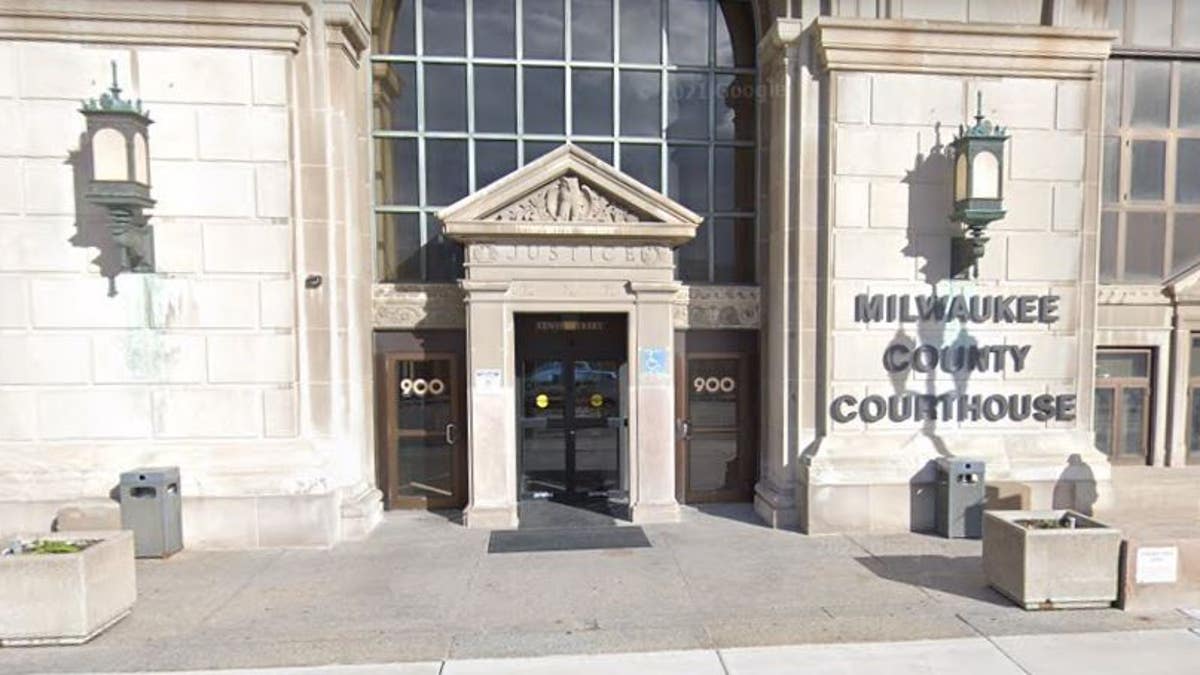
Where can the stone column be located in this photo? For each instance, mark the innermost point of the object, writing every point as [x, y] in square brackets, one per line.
[775, 492]
[652, 474]
[491, 433]
[1179, 368]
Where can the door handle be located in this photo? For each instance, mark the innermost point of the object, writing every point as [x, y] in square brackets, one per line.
[450, 433]
[685, 429]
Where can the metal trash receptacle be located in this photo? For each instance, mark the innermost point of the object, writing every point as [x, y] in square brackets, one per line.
[151, 506]
[960, 497]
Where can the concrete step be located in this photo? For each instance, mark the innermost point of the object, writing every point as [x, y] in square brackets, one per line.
[1153, 492]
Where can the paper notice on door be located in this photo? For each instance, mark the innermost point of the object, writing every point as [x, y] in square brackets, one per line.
[487, 380]
[1157, 565]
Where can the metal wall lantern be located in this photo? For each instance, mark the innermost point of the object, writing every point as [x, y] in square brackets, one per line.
[978, 189]
[117, 145]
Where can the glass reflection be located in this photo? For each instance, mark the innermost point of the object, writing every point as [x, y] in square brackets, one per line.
[688, 106]
[644, 163]
[443, 256]
[733, 179]
[398, 157]
[687, 167]
[445, 97]
[495, 99]
[641, 103]
[493, 160]
[542, 27]
[691, 261]
[687, 32]
[395, 100]
[591, 30]
[400, 246]
[734, 111]
[735, 31]
[733, 250]
[445, 171]
[591, 101]
[494, 28]
[641, 31]
[1104, 420]
[445, 27]
[544, 100]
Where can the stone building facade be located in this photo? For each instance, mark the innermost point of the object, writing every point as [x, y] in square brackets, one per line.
[532, 257]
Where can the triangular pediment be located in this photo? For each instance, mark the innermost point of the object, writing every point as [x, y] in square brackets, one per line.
[568, 194]
[1185, 284]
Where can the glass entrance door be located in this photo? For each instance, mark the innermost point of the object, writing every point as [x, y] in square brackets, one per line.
[424, 455]
[571, 414]
[716, 422]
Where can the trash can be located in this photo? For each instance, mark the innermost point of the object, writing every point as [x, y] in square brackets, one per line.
[151, 507]
[960, 497]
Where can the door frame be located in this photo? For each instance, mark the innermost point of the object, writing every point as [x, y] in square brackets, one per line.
[387, 468]
[567, 354]
[1118, 385]
[745, 432]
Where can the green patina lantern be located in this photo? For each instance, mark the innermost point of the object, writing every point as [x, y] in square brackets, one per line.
[978, 189]
[117, 145]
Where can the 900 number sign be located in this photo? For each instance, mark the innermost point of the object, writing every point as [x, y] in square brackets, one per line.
[421, 387]
[713, 385]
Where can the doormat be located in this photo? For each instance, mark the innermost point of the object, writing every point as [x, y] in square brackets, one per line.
[567, 539]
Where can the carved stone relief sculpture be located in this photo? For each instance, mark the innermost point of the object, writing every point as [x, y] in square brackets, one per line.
[565, 200]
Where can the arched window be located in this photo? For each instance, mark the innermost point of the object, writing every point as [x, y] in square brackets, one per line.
[466, 91]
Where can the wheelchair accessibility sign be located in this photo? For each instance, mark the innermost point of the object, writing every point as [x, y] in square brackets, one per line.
[654, 363]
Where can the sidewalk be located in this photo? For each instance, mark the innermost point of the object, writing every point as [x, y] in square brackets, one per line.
[1133, 652]
[422, 589]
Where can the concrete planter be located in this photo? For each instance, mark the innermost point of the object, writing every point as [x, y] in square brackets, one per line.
[1055, 568]
[66, 598]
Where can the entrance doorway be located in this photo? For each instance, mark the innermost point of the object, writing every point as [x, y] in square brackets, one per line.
[572, 414]
[421, 405]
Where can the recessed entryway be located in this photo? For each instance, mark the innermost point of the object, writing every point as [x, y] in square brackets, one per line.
[572, 418]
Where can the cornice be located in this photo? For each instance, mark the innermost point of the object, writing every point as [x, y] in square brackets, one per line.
[264, 24]
[346, 28]
[961, 48]
[1120, 294]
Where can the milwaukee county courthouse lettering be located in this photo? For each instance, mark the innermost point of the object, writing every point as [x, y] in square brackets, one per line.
[535, 259]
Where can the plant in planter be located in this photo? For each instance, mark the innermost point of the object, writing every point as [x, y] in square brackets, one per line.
[1051, 559]
[65, 587]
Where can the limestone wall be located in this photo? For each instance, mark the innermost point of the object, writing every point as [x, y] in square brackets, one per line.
[220, 361]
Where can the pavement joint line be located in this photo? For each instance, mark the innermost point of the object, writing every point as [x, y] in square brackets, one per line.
[995, 645]
[240, 588]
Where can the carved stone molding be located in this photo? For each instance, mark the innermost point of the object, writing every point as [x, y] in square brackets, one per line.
[961, 48]
[418, 306]
[567, 199]
[569, 255]
[441, 306]
[568, 195]
[1131, 295]
[717, 307]
[269, 24]
[553, 291]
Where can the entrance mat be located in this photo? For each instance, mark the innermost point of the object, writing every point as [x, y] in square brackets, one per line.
[567, 539]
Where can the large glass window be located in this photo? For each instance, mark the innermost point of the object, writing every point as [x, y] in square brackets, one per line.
[1150, 227]
[468, 90]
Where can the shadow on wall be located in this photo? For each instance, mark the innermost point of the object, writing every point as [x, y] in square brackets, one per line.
[91, 228]
[928, 234]
[1076, 487]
